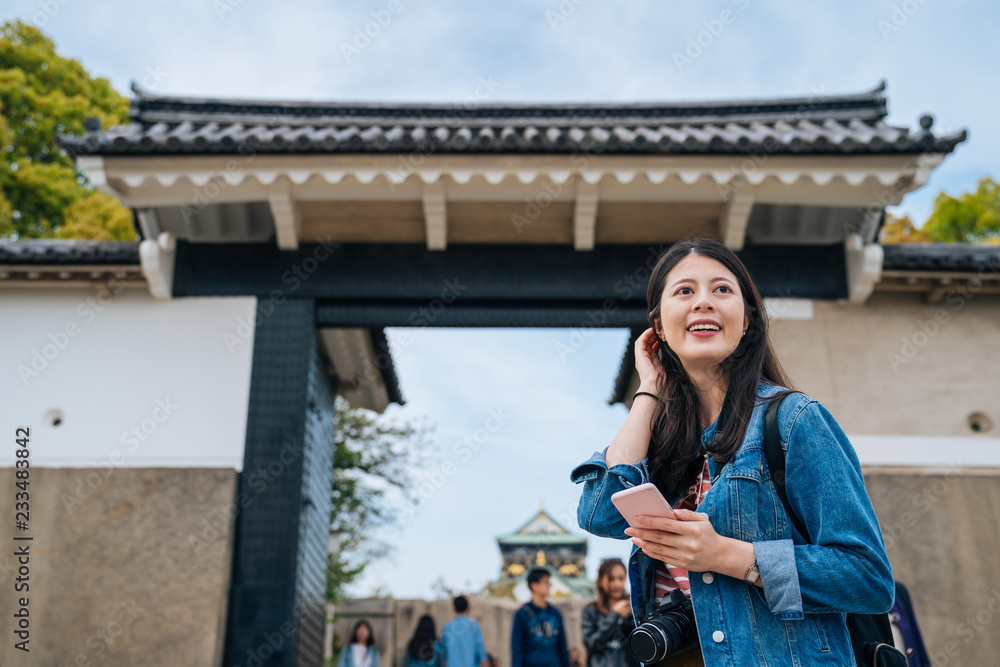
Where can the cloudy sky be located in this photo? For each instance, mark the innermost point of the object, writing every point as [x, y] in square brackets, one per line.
[937, 57]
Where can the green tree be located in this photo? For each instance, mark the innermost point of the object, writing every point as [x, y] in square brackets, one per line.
[901, 230]
[41, 95]
[972, 217]
[374, 465]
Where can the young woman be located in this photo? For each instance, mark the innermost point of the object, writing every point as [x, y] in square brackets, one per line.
[360, 652]
[607, 621]
[761, 593]
[424, 649]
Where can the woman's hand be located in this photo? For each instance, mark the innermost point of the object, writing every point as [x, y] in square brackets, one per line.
[690, 542]
[647, 360]
[623, 608]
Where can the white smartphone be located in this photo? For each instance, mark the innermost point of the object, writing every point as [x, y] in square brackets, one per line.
[644, 500]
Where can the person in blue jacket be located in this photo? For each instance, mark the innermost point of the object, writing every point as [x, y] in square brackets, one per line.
[538, 638]
[360, 650]
[761, 593]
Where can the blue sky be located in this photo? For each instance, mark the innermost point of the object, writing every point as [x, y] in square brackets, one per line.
[937, 57]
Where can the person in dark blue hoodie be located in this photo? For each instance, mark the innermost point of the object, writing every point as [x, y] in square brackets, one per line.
[539, 637]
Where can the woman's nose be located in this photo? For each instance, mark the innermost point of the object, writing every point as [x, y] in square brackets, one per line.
[704, 304]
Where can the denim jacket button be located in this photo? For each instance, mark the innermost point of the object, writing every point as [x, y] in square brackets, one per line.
[717, 636]
[707, 578]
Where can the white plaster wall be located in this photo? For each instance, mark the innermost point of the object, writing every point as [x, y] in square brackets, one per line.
[897, 366]
[135, 382]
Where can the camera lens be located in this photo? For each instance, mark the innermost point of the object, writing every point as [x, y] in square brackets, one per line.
[648, 643]
[668, 631]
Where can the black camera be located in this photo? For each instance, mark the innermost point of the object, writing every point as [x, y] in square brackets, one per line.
[669, 630]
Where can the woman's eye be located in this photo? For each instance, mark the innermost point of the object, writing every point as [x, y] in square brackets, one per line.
[681, 290]
[724, 287]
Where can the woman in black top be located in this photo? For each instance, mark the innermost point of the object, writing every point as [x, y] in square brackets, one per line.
[424, 649]
[607, 621]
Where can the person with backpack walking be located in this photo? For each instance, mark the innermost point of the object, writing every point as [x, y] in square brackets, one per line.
[730, 572]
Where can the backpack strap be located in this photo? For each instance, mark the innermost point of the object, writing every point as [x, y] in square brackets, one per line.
[776, 463]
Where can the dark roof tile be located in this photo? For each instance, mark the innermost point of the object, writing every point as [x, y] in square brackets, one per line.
[832, 124]
[69, 252]
[951, 257]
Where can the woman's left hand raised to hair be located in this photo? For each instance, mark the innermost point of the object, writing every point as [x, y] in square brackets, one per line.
[690, 542]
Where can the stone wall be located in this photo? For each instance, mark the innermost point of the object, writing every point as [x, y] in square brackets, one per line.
[115, 579]
[942, 534]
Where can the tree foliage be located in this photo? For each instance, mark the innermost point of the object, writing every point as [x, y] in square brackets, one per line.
[41, 95]
[972, 217]
[901, 230]
[374, 462]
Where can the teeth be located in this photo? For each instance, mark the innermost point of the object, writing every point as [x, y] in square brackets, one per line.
[703, 327]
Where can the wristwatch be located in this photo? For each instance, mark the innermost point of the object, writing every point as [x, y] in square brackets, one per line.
[752, 573]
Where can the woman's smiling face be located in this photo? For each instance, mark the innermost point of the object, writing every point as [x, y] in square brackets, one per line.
[702, 315]
[614, 582]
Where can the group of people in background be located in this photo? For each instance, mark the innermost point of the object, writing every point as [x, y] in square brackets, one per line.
[461, 643]
[538, 637]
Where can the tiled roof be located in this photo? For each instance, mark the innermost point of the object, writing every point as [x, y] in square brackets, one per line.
[836, 124]
[955, 257]
[69, 252]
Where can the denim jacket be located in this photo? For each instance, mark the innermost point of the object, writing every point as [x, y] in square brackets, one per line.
[347, 656]
[798, 618]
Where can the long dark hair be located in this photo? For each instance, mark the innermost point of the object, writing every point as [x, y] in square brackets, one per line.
[676, 454]
[421, 647]
[604, 601]
[354, 633]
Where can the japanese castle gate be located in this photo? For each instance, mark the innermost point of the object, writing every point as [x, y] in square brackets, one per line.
[342, 219]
